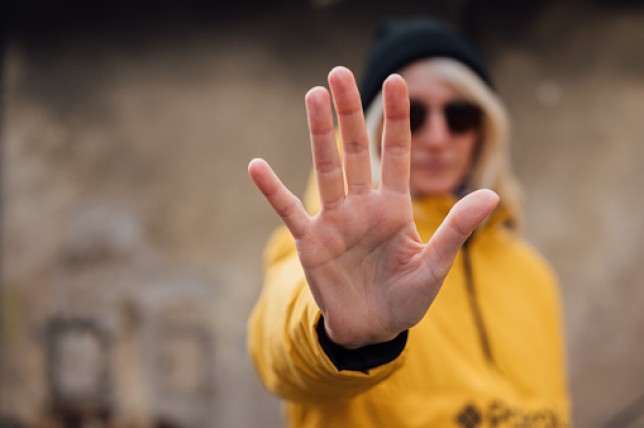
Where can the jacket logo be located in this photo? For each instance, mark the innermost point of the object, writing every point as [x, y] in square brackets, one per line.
[469, 417]
[499, 415]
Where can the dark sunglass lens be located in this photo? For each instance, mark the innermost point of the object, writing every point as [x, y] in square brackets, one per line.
[417, 115]
[463, 116]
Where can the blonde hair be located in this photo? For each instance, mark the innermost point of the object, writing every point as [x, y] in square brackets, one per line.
[491, 168]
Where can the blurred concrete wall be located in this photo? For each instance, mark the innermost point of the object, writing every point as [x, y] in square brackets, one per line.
[132, 238]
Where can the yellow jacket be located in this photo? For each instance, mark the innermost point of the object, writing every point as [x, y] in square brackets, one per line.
[488, 353]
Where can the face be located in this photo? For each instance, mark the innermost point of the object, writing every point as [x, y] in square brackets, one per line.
[440, 158]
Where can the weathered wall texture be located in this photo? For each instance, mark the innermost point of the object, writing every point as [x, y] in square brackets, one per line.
[132, 238]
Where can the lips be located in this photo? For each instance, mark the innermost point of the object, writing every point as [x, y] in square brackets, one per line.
[432, 166]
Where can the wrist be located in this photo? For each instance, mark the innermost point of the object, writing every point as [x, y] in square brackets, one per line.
[363, 358]
[352, 342]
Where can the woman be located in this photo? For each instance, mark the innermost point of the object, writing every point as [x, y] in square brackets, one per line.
[350, 328]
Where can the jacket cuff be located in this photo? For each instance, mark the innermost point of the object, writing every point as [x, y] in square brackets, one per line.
[361, 359]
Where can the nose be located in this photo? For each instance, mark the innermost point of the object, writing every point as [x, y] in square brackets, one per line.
[434, 133]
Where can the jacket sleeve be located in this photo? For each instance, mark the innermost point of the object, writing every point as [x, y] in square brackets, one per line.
[284, 342]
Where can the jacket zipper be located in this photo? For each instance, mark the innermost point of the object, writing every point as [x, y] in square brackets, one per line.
[474, 304]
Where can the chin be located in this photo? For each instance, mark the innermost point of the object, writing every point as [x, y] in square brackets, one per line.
[433, 189]
[416, 191]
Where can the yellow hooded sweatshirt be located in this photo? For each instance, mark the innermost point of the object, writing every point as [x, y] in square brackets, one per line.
[488, 353]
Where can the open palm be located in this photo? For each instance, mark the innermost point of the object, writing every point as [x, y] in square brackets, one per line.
[368, 270]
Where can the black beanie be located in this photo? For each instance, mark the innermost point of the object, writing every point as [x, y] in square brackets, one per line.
[400, 42]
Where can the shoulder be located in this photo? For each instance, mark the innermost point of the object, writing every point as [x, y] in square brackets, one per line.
[535, 259]
[520, 255]
[279, 247]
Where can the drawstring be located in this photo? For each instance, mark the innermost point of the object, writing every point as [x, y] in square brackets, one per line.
[474, 304]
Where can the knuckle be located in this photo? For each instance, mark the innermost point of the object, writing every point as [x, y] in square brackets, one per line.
[458, 229]
[289, 209]
[327, 167]
[396, 149]
[354, 147]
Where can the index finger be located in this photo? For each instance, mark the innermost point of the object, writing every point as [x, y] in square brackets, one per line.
[396, 145]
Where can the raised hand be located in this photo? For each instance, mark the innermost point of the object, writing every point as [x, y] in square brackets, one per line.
[368, 270]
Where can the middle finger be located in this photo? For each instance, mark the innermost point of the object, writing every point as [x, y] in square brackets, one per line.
[353, 132]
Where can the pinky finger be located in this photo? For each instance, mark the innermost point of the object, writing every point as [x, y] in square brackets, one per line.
[285, 203]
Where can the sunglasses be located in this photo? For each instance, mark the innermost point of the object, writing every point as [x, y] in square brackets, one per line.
[461, 116]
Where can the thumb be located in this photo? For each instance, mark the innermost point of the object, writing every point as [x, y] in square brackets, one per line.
[459, 224]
